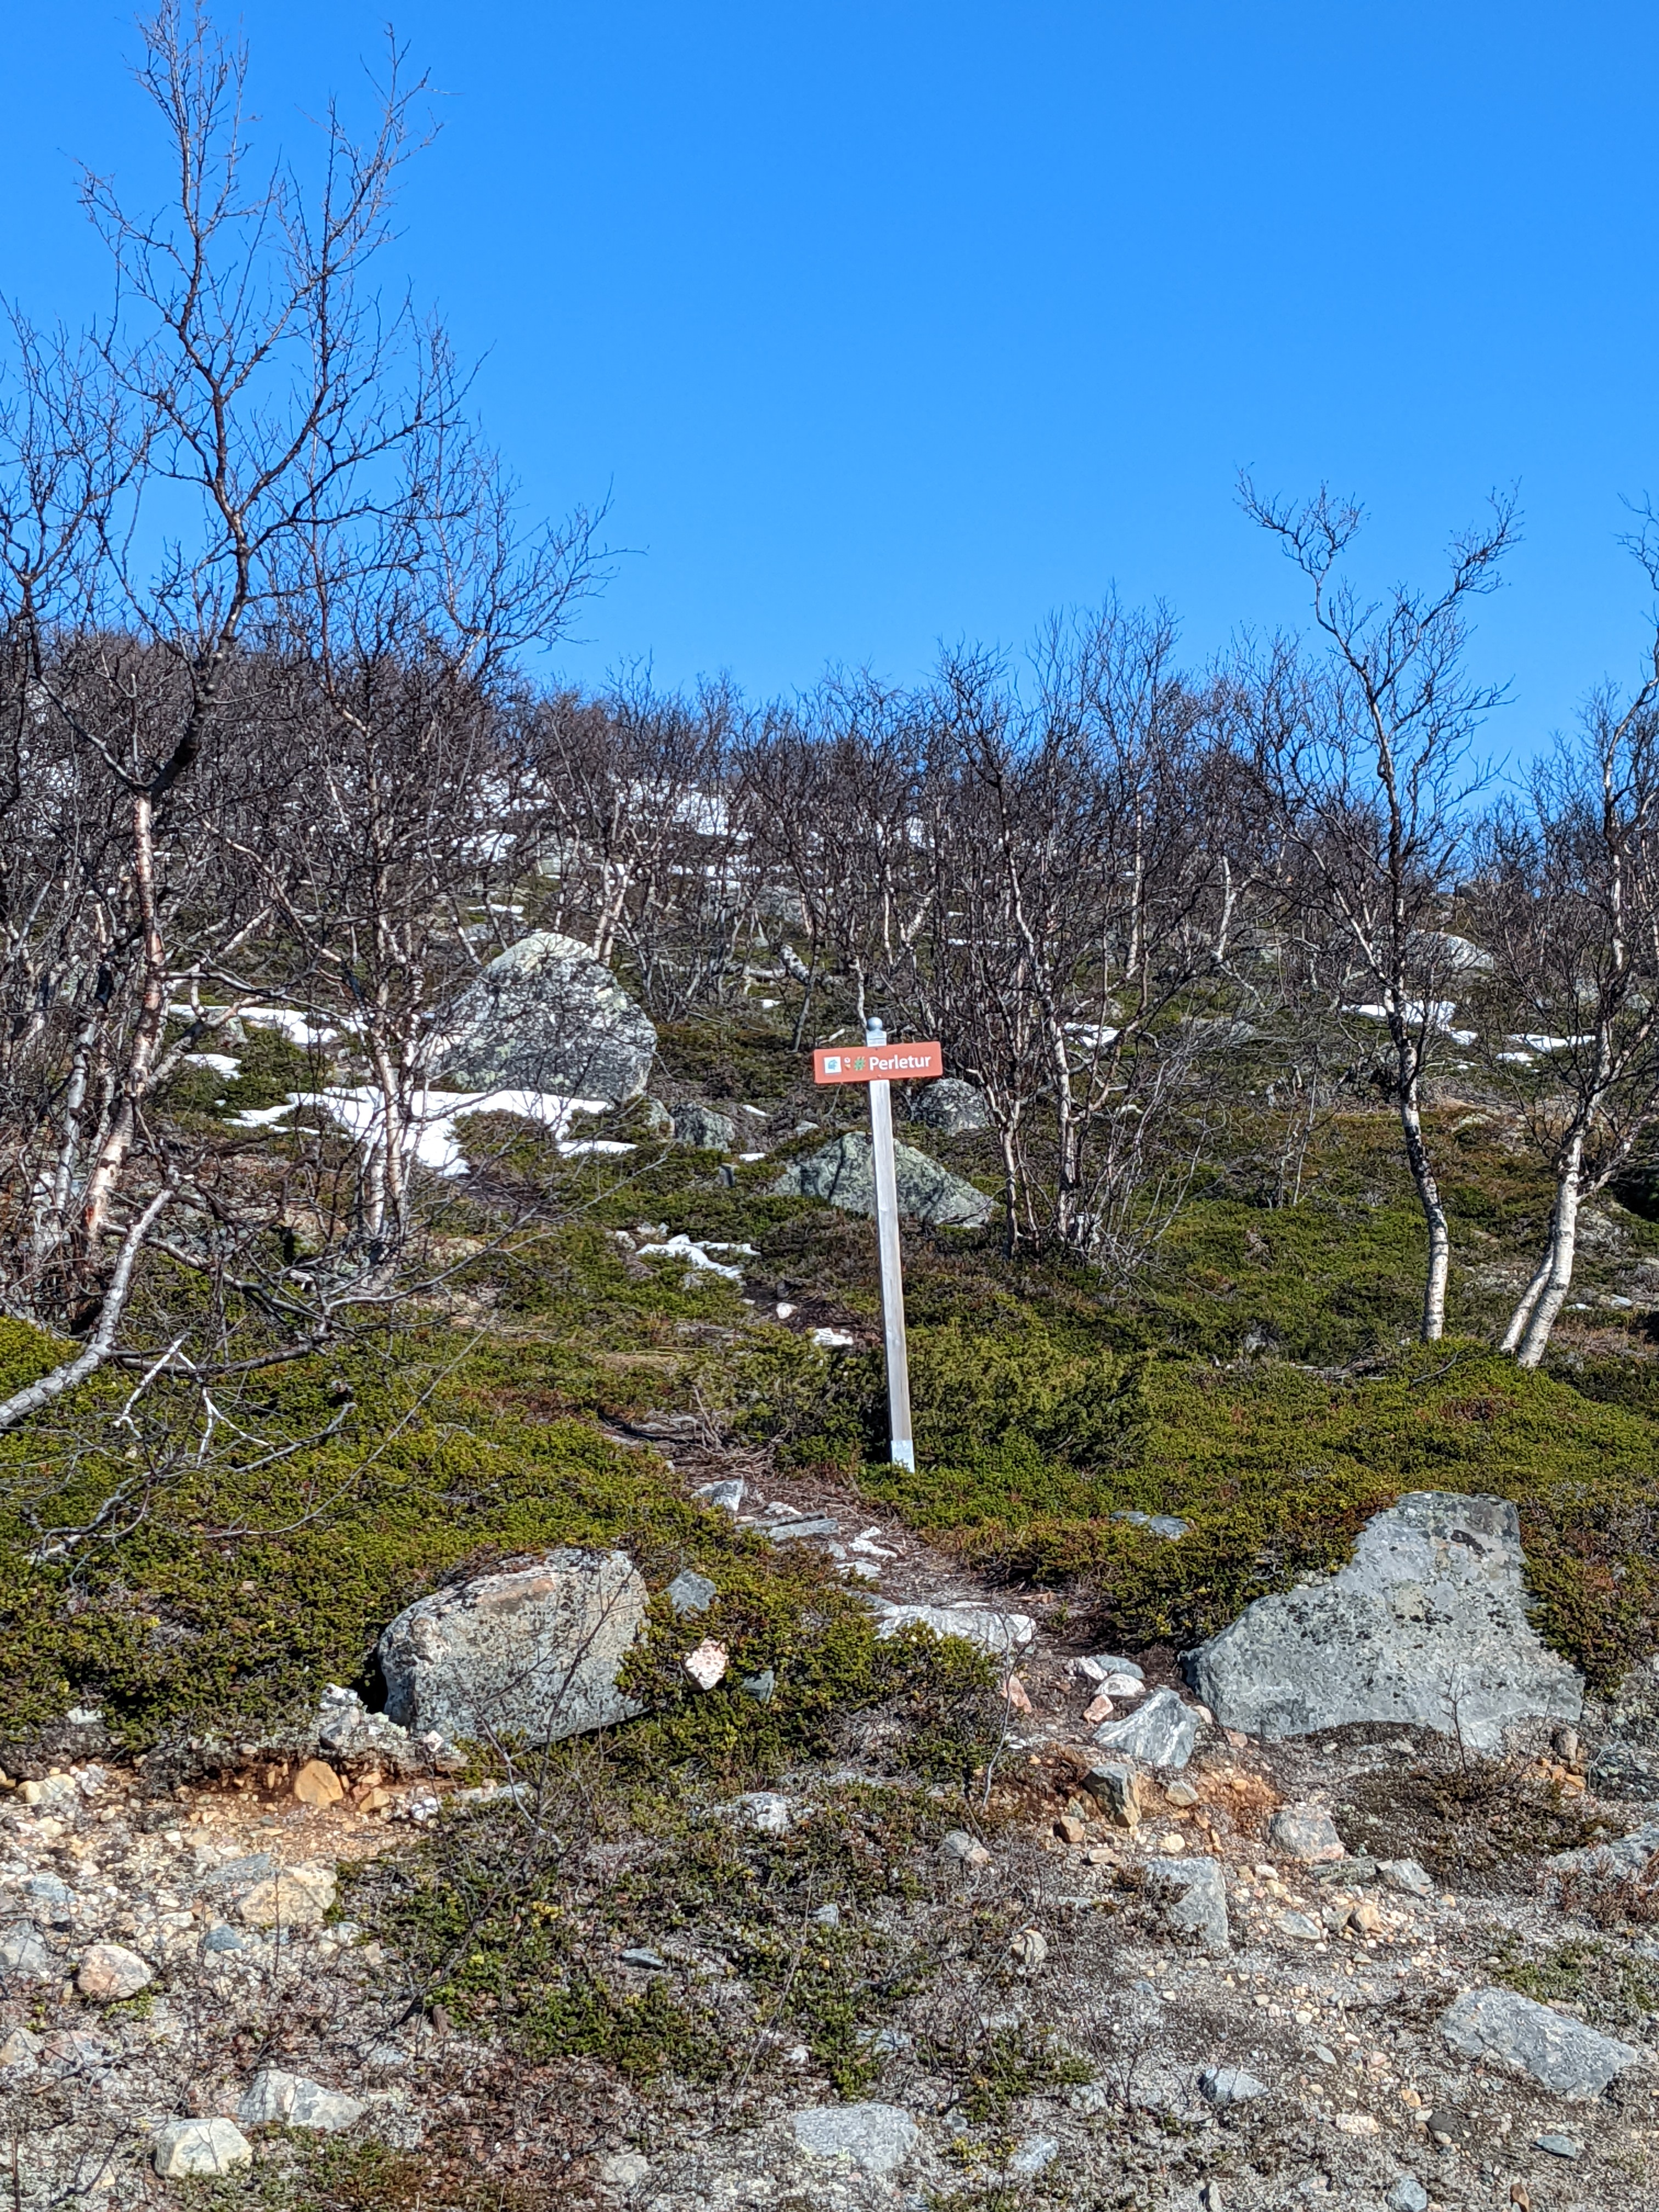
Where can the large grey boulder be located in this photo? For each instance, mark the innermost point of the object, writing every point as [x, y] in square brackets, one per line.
[1524, 2037]
[952, 1107]
[1427, 1625]
[547, 1016]
[843, 1173]
[534, 1653]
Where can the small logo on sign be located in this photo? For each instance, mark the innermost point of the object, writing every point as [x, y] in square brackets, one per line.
[832, 1063]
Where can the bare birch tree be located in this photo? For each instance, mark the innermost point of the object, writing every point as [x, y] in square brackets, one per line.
[1364, 765]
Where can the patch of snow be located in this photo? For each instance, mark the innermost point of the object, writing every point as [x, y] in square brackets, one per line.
[430, 1137]
[697, 1255]
[220, 1062]
[1435, 1014]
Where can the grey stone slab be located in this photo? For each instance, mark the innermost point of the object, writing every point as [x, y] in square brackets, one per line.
[1558, 2053]
[1428, 1625]
[1160, 1733]
[1194, 1892]
[1225, 2085]
[874, 2138]
[952, 1107]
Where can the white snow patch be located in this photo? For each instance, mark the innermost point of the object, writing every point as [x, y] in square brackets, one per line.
[697, 1255]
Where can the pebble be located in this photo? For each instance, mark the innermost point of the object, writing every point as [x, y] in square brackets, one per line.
[1029, 2157]
[968, 1850]
[1226, 2086]
[317, 1783]
[638, 1955]
[766, 1810]
[109, 1973]
[1029, 1946]
[184, 2147]
[1306, 1833]
[1557, 2146]
[1406, 1876]
[1300, 1927]
[1408, 2195]
[274, 2099]
[691, 1593]
[624, 2169]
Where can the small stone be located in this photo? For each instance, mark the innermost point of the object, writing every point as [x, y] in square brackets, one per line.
[21, 2048]
[691, 1593]
[1557, 2146]
[1181, 1793]
[1029, 1946]
[985, 1625]
[109, 1973]
[1029, 2157]
[1560, 2053]
[727, 1497]
[1366, 1917]
[1196, 1901]
[1115, 1788]
[274, 2099]
[624, 2169]
[1305, 1833]
[761, 1687]
[1110, 1664]
[23, 1953]
[707, 1664]
[1098, 1710]
[640, 1956]
[53, 1899]
[828, 1916]
[1406, 1876]
[874, 2138]
[1173, 1843]
[1448, 2126]
[1300, 1927]
[1170, 1526]
[1225, 2085]
[1071, 1830]
[1324, 2054]
[1126, 1686]
[1358, 2123]
[184, 2147]
[968, 1850]
[293, 1897]
[1016, 1694]
[317, 1783]
[1162, 1732]
[221, 1937]
[1408, 2195]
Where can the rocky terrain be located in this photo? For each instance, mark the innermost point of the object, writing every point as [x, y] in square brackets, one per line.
[1147, 1958]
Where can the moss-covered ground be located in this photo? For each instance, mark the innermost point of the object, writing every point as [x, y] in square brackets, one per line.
[1261, 1381]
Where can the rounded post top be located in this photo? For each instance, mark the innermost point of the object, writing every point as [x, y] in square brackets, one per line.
[875, 1029]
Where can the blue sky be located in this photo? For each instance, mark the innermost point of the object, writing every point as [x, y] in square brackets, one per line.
[886, 324]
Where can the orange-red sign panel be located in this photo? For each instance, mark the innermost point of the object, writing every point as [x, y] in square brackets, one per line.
[868, 1063]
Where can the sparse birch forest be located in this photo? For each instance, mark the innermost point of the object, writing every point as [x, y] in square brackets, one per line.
[412, 1171]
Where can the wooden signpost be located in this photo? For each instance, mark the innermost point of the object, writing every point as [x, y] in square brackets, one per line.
[881, 1065]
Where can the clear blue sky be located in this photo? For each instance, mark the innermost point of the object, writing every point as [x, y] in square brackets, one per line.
[883, 324]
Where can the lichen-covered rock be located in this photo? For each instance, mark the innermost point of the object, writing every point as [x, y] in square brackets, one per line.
[187, 2148]
[1512, 2031]
[952, 1107]
[547, 1016]
[701, 1129]
[1427, 1625]
[109, 1973]
[983, 1626]
[842, 1173]
[1194, 1892]
[274, 2099]
[534, 1653]
[873, 2138]
[1160, 1733]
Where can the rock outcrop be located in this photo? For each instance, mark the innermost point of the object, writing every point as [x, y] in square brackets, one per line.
[534, 1653]
[1428, 1626]
[547, 1016]
[842, 1172]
